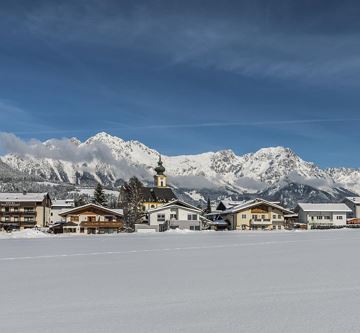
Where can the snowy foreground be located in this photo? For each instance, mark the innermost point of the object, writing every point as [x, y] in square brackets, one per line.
[172, 282]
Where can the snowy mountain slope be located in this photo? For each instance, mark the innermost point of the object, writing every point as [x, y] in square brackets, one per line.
[110, 160]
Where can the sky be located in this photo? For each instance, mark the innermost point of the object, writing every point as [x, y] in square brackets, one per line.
[185, 77]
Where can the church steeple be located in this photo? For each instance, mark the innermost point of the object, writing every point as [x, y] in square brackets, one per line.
[160, 178]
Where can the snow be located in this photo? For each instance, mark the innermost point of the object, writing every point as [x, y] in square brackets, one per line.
[26, 233]
[196, 196]
[267, 168]
[167, 282]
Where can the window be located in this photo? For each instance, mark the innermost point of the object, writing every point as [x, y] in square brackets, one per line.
[319, 217]
[274, 217]
[195, 227]
[339, 217]
[7, 218]
[263, 217]
[74, 218]
[279, 217]
[327, 217]
[16, 209]
[243, 216]
[192, 217]
[152, 206]
[7, 209]
[173, 216]
[161, 217]
[254, 217]
[91, 218]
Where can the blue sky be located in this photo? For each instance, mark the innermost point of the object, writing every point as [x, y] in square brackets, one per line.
[186, 76]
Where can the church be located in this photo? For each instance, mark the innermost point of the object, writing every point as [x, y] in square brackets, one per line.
[160, 193]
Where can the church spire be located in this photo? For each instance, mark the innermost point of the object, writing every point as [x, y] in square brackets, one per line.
[160, 168]
[160, 178]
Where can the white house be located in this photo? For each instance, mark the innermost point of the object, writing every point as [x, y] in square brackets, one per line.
[322, 214]
[175, 215]
[60, 206]
[354, 204]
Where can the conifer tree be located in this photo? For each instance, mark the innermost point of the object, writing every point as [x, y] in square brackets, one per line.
[208, 207]
[131, 197]
[99, 195]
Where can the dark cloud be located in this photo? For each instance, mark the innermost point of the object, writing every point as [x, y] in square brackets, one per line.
[307, 40]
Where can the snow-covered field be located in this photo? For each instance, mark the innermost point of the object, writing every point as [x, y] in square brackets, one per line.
[173, 282]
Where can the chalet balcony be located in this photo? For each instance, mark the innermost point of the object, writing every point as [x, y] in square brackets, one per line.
[102, 224]
[260, 222]
[19, 213]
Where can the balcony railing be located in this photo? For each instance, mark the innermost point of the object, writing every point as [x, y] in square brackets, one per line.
[260, 222]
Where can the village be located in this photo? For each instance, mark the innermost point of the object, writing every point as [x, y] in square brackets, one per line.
[157, 209]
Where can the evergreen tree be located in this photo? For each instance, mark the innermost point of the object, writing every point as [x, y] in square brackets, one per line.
[208, 207]
[131, 200]
[99, 195]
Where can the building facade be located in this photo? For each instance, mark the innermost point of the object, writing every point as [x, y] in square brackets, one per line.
[322, 215]
[176, 215]
[92, 219]
[354, 204]
[24, 210]
[60, 206]
[257, 214]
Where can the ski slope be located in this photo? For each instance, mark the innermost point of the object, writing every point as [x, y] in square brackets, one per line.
[173, 282]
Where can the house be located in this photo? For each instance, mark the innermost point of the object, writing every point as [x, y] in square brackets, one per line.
[24, 210]
[322, 215]
[354, 204]
[176, 214]
[254, 215]
[92, 219]
[160, 193]
[59, 206]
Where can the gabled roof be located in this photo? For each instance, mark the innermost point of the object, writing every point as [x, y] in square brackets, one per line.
[23, 197]
[175, 204]
[116, 212]
[324, 207]
[355, 200]
[256, 202]
[158, 194]
[227, 204]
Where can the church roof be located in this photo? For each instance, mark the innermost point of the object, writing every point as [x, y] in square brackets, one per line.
[158, 194]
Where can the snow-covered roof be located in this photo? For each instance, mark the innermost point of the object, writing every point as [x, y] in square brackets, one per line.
[175, 203]
[23, 197]
[91, 205]
[355, 200]
[255, 202]
[228, 203]
[324, 207]
[68, 203]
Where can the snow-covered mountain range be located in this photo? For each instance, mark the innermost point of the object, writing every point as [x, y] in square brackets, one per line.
[275, 172]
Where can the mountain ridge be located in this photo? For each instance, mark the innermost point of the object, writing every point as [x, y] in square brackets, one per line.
[111, 160]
